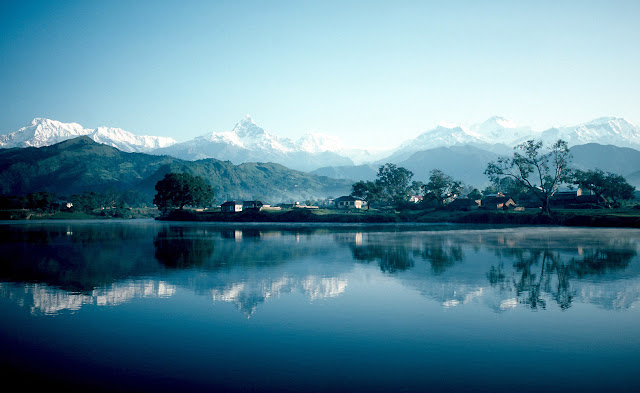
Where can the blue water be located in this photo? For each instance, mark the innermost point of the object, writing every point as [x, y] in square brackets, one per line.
[148, 306]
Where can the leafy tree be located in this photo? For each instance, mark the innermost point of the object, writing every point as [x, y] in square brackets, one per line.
[177, 190]
[441, 186]
[40, 200]
[135, 198]
[508, 186]
[475, 194]
[539, 172]
[608, 185]
[368, 191]
[395, 182]
[86, 202]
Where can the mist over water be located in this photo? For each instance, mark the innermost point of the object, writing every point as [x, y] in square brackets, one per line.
[174, 306]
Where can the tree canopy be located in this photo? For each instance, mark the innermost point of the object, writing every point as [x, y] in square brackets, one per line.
[540, 172]
[441, 186]
[609, 185]
[368, 191]
[178, 190]
[395, 182]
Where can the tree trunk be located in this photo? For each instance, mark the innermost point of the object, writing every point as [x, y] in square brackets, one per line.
[546, 210]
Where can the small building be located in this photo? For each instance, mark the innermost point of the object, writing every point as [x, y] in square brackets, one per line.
[416, 199]
[348, 202]
[231, 207]
[565, 197]
[253, 205]
[530, 202]
[464, 204]
[497, 203]
[591, 199]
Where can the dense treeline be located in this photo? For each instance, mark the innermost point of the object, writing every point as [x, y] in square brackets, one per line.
[534, 172]
[111, 203]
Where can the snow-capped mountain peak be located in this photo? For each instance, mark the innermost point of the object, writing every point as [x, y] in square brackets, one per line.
[317, 143]
[126, 141]
[499, 121]
[604, 130]
[246, 120]
[498, 129]
[247, 127]
[44, 132]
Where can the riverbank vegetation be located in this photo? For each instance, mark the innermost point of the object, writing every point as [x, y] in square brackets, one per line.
[595, 218]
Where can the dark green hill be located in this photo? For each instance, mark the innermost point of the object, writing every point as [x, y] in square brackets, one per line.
[81, 164]
[621, 160]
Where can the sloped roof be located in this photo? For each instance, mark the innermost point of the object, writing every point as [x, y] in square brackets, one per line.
[346, 198]
[496, 200]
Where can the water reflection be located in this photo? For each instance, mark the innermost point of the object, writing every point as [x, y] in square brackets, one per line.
[540, 271]
[75, 260]
[181, 248]
[50, 268]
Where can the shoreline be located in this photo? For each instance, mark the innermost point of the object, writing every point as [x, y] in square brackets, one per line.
[605, 218]
[569, 218]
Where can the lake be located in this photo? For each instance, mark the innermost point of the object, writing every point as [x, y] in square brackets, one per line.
[150, 306]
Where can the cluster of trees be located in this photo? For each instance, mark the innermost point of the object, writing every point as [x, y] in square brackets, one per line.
[174, 191]
[533, 170]
[394, 186]
[609, 186]
[46, 202]
[177, 190]
[539, 172]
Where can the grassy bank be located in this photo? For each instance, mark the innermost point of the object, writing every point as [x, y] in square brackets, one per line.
[26, 214]
[591, 218]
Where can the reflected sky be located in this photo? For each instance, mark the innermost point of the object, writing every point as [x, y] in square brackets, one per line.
[320, 308]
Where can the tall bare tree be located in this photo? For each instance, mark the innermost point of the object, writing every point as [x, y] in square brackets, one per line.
[539, 170]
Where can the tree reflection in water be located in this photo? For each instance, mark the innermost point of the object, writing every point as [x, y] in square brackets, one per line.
[441, 254]
[537, 266]
[398, 255]
[540, 271]
[179, 248]
[391, 258]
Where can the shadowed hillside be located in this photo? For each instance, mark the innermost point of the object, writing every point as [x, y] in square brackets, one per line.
[81, 164]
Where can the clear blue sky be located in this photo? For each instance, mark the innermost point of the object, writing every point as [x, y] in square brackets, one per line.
[363, 70]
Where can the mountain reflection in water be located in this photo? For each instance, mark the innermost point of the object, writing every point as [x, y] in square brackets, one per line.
[166, 307]
[51, 268]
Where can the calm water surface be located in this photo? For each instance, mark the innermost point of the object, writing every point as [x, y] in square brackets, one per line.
[147, 306]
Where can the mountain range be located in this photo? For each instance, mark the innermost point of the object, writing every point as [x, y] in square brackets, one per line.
[247, 142]
[608, 143]
[81, 164]
[45, 132]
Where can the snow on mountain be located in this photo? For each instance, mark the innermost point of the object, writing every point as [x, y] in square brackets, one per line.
[248, 142]
[444, 135]
[45, 132]
[42, 132]
[126, 141]
[604, 130]
[499, 135]
[497, 129]
[317, 143]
